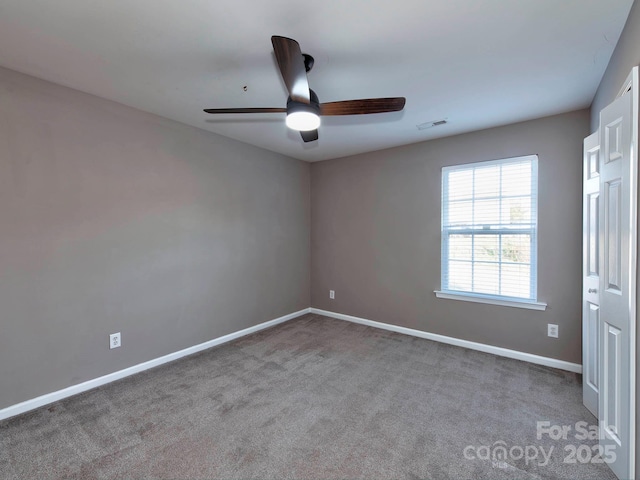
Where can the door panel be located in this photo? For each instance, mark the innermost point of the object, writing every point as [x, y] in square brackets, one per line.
[613, 238]
[593, 161]
[613, 140]
[591, 342]
[612, 377]
[593, 201]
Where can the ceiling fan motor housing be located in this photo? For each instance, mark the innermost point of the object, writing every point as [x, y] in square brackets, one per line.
[313, 106]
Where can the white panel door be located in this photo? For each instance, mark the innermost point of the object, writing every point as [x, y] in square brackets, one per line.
[591, 273]
[616, 240]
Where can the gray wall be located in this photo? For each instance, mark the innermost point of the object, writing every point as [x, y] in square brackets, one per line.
[117, 220]
[624, 58]
[375, 223]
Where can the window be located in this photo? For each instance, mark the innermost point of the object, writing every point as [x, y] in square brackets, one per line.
[489, 231]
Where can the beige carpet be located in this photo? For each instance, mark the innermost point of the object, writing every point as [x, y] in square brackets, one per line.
[311, 398]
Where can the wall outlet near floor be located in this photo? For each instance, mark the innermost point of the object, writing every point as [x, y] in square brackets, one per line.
[552, 330]
[114, 340]
[332, 294]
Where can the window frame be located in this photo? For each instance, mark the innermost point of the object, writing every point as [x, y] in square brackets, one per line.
[495, 230]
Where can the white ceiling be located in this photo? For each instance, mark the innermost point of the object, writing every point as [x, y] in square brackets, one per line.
[476, 63]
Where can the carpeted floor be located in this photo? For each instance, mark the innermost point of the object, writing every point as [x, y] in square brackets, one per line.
[312, 398]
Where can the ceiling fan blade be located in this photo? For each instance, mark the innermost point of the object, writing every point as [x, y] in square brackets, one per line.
[309, 136]
[245, 110]
[291, 64]
[363, 106]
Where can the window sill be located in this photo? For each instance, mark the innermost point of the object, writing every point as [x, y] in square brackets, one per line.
[491, 301]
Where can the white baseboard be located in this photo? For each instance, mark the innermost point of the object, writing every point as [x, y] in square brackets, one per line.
[502, 352]
[111, 377]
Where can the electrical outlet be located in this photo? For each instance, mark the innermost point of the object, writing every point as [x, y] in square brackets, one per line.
[552, 330]
[332, 294]
[115, 340]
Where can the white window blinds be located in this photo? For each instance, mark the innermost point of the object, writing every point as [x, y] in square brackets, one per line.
[489, 228]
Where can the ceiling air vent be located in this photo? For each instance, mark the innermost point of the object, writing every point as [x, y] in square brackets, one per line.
[424, 126]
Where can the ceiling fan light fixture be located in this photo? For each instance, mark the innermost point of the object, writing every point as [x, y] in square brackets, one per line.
[302, 121]
[303, 117]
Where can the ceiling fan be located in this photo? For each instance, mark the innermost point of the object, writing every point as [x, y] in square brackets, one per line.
[303, 107]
